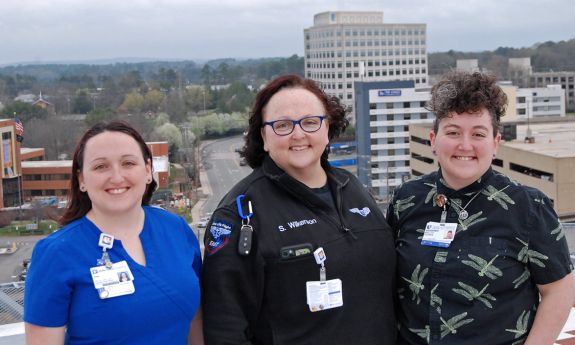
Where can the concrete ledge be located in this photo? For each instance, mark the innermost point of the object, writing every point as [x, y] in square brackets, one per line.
[11, 329]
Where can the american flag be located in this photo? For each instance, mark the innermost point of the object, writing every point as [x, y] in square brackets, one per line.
[19, 127]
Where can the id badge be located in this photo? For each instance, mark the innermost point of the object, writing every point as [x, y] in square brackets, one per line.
[323, 295]
[113, 282]
[439, 234]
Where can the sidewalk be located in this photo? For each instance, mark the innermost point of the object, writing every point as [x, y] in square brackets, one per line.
[204, 193]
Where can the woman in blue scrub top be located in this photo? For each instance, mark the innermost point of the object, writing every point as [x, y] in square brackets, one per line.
[74, 293]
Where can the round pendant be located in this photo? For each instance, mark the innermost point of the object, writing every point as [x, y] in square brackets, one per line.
[463, 215]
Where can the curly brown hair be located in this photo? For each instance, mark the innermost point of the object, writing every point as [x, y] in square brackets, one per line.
[253, 150]
[460, 92]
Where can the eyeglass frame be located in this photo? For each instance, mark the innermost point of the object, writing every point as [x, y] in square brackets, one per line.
[295, 122]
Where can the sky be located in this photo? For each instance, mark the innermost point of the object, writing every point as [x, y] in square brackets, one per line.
[44, 31]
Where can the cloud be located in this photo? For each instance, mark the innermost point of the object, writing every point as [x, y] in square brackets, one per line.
[189, 29]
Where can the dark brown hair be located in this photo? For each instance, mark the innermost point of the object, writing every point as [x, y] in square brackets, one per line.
[460, 92]
[253, 150]
[79, 202]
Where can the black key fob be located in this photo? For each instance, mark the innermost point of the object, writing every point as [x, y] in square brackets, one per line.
[245, 241]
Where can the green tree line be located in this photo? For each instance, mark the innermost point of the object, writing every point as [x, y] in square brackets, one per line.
[547, 56]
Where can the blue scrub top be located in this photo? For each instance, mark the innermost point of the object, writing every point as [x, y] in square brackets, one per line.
[60, 291]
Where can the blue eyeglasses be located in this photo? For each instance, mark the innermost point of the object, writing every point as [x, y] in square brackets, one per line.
[308, 124]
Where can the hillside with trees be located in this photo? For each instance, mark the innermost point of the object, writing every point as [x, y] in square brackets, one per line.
[548, 56]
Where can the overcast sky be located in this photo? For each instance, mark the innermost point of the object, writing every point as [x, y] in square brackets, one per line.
[76, 30]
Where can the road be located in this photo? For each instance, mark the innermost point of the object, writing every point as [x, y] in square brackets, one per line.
[222, 166]
[11, 264]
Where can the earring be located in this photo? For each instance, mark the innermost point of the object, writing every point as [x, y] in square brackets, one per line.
[149, 180]
[434, 152]
[82, 188]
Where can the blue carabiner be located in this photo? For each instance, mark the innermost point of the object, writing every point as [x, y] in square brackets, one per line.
[241, 210]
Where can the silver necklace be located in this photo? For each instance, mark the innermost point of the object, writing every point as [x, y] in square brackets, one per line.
[463, 214]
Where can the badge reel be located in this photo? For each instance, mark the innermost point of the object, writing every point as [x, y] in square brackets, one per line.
[323, 294]
[111, 279]
[246, 232]
[439, 234]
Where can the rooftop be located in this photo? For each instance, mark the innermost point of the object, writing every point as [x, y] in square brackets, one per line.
[551, 139]
[47, 164]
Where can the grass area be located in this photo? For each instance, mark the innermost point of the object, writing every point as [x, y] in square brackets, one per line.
[183, 212]
[19, 228]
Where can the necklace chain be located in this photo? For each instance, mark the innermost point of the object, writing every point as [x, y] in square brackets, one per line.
[463, 214]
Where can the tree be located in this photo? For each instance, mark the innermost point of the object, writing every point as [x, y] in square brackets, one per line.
[133, 103]
[58, 137]
[25, 111]
[100, 115]
[167, 78]
[110, 96]
[237, 97]
[161, 118]
[170, 133]
[152, 100]
[197, 98]
[130, 81]
[207, 75]
[82, 103]
[175, 107]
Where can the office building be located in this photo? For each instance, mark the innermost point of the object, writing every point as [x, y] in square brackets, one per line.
[521, 74]
[531, 103]
[384, 112]
[344, 47]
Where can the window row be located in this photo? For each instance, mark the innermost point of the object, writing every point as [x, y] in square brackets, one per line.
[364, 43]
[368, 63]
[356, 32]
[357, 53]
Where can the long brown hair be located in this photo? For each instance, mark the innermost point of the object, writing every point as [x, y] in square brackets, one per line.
[79, 202]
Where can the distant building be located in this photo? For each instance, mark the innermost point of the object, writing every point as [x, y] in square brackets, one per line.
[467, 65]
[546, 163]
[9, 164]
[344, 47]
[25, 174]
[519, 70]
[565, 79]
[521, 74]
[38, 101]
[384, 112]
[524, 103]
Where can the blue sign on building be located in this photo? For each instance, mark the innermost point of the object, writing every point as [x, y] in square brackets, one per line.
[389, 92]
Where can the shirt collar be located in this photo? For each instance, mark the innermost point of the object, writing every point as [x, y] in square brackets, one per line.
[443, 188]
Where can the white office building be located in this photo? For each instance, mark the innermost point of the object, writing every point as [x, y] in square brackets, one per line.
[384, 112]
[344, 47]
[543, 101]
[531, 103]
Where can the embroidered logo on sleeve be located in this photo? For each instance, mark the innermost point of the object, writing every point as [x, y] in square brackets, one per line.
[220, 233]
[363, 212]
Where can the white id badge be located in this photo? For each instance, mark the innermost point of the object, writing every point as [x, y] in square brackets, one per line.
[113, 282]
[439, 234]
[324, 295]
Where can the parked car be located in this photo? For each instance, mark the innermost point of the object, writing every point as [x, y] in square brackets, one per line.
[203, 222]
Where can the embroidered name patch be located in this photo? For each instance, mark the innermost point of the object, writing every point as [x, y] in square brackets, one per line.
[363, 212]
[220, 233]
